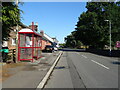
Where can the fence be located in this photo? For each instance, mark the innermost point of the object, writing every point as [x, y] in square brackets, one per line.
[11, 56]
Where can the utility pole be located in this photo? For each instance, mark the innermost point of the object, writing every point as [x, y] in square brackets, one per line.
[17, 27]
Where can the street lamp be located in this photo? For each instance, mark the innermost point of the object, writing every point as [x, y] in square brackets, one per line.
[110, 34]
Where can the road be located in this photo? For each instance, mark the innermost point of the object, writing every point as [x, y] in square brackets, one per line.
[84, 70]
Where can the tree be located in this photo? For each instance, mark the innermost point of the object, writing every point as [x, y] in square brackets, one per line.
[62, 45]
[70, 41]
[91, 28]
[10, 17]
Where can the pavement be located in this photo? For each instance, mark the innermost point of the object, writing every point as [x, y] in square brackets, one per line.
[31, 74]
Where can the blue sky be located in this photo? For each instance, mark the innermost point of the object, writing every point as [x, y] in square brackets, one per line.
[57, 19]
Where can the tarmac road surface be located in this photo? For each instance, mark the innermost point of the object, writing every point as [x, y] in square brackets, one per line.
[84, 70]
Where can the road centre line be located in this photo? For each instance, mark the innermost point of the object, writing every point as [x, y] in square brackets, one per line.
[84, 56]
[100, 64]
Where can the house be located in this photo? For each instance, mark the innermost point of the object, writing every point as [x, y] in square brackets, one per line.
[46, 40]
[40, 40]
[12, 42]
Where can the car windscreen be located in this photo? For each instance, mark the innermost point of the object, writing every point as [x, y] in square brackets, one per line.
[49, 46]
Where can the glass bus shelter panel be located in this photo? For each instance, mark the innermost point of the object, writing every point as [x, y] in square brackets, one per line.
[39, 42]
[22, 40]
[25, 53]
[28, 40]
[35, 45]
[39, 52]
[35, 41]
[25, 40]
[35, 52]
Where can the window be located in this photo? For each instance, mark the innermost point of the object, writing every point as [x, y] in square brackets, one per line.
[14, 41]
[15, 30]
[5, 44]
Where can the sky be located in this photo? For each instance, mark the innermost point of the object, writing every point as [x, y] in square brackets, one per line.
[56, 19]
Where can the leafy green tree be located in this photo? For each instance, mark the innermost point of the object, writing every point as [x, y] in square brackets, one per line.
[10, 17]
[70, 41]
[91, 28]
[62, 45]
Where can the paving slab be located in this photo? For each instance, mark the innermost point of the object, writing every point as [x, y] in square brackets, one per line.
[32, 73]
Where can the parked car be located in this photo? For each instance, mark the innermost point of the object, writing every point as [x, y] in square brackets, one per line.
[55, 48]
[49, 48]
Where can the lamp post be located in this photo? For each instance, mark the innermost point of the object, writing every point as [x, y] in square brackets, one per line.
[110, 34]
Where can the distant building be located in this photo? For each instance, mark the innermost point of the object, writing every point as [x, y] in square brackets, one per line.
[55, 42]
[47, 40]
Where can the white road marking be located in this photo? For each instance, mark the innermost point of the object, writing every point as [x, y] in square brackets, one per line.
[100, 64]
[84, 56]
[42, 83]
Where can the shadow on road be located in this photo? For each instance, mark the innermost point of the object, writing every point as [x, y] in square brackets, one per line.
[114, 53]
[116, 62]
[73, 50]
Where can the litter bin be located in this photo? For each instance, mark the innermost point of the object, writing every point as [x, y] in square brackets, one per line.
[4, 53]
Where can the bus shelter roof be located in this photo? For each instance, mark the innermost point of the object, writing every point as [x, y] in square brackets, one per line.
[29, 31]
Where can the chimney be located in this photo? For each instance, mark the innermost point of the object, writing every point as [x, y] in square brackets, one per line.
[34, 27]
[42, 32]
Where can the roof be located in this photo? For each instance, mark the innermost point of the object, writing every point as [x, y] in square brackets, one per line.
[23, 25]
[27, 30]
[48, 37]
[55, 40]
[44, 36]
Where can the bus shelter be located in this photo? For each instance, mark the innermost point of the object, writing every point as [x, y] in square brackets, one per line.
[29, 44]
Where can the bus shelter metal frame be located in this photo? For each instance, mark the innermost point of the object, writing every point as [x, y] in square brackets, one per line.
[34, 45]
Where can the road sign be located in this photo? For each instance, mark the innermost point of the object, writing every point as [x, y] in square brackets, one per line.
[118, 44]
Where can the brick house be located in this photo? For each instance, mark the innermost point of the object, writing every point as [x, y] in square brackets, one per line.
[46, 40]
[12, 42]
